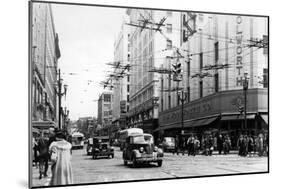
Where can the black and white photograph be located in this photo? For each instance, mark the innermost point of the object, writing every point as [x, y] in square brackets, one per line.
[126, 94]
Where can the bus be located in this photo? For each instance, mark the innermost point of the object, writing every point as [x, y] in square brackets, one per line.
[77, 140]
[123, 134]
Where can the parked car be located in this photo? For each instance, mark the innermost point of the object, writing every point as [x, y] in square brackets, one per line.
[102, 148]
[168, 144]
[140, 149]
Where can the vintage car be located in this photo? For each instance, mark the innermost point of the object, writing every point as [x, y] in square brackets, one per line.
[101, 147]
[168, 144]
[140, 149]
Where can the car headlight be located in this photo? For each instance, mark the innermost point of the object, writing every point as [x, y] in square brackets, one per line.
[155, 148]
[141, 149]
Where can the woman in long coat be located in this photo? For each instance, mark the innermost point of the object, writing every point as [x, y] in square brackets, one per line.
[60, 151]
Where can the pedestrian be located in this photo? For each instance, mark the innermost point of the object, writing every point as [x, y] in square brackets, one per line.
[220, 143]
[240, 145]
[61, 157]
[226, 145]
[196, 145]
[250, 145]
[260, 145]
[190, 143]
[35, 151]
[43, 155]
[176, 150]
[245, 145]
[211, 145]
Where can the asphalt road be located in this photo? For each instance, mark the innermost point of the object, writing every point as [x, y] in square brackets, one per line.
[87, 170]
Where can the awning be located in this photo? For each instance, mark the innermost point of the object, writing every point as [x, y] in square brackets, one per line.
[43, 124]
[188, 124]
[202, 122]
[236, 117]
[265, 118]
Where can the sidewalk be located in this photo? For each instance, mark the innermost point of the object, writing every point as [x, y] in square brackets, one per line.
[40, 182]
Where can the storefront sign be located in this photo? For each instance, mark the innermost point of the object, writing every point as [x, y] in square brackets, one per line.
[239, 51]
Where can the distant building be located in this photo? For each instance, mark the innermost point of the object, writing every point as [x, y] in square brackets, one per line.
[121, 70]
[215, 58]
[44, 59]
[105, 111]
[86, 125]
[149, 50]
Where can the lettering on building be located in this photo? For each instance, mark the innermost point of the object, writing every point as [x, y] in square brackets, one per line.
[239, 51]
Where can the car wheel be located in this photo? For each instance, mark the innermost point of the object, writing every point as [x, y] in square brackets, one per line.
[159, 163]
[134, 162]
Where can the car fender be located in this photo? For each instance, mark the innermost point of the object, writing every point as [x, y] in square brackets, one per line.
[136, 153]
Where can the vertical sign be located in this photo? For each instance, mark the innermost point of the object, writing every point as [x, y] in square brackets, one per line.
[239, 58]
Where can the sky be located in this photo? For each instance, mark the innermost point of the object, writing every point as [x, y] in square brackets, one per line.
[86, 40]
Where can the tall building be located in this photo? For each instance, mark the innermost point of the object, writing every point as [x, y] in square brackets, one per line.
[222, 54]
[105, 112]
[149, 50]
[45, 55]
[122, 78]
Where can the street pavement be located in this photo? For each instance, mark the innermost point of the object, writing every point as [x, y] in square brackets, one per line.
[87, 170]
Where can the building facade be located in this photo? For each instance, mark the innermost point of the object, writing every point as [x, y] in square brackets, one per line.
[224, 65]
[122, 80]
[148, 48]
[45, 55]
[105, 112]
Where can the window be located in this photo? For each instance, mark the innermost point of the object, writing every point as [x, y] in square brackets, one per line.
[216, 51]
[107, 97]
[178, 99]
[128, 58]
[128, 98]
[201, 89]
[128, 78]
[128, 88]
[169, 28]
[265, 78]
[216, 82]
[169, 44]
[201, 60]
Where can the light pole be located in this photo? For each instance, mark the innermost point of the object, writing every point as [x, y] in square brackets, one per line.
[182, 98]
[60, 94]
[245, 88]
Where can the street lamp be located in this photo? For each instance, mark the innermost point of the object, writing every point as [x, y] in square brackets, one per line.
[60, 94]
[182, 98]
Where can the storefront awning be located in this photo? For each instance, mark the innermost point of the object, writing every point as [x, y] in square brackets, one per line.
[43, 124]
[188, 124]
[265, 118]
[236, 117]
[202, 122]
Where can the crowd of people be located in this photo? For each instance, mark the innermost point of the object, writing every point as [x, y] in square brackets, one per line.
[52, 147]
[246, 145]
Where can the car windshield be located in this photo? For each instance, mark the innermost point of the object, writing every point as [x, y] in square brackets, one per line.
[169, 139]
[139, 139]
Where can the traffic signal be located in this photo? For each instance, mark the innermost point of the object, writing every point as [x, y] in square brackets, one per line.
[177, 71]
[241, 109]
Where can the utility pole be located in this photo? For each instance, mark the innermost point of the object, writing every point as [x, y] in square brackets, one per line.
[59, 94]
[245, 88]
